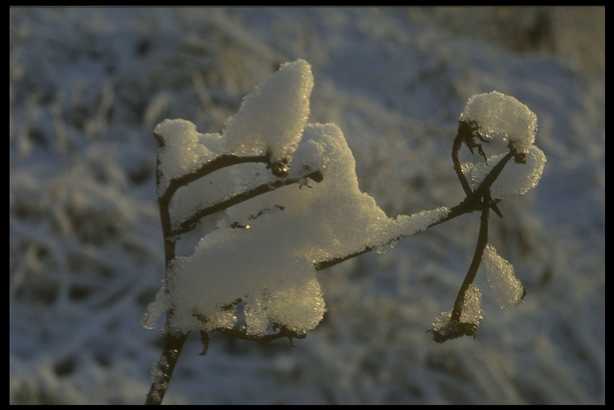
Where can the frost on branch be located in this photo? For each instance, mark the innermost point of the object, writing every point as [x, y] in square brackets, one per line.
[273, 116]
[496, 116]
[264, 250]
[502, 278]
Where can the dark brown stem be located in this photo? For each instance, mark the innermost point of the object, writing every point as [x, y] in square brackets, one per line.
[458, 141]
[492, 176]
[334, 261]
[192, 221]
[475, 262]
[173, 346]
[173, 341]
[282, 333]
[169, 241]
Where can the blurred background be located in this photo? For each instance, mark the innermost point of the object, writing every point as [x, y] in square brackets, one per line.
[87, 86]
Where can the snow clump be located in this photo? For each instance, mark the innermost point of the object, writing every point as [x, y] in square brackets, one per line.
[498, 118]
[503, 117]
[502, 278]
[182, 152]
[273, 116]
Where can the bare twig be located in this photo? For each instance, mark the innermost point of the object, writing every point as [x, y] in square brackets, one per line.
[283, 332]
[173, 346]
[455, 328]
[473, 202]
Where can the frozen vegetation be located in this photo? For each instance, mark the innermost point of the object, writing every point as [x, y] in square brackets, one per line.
[497, 116]
[282, 235]
[88, 87]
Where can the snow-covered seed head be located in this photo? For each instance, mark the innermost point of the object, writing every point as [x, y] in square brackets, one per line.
[496, 116]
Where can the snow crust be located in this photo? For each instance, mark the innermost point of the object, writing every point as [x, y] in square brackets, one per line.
[503, 117]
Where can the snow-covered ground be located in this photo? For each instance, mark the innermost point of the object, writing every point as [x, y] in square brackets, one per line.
[87, 88]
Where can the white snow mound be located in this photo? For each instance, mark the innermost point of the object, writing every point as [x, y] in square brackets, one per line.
[500, 116]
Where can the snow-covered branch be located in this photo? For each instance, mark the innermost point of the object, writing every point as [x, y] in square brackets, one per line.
[470, 204]
[271, 289]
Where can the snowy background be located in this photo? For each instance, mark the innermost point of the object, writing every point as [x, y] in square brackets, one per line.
[87, 87]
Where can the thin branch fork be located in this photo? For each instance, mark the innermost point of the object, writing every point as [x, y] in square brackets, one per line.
[464, 134]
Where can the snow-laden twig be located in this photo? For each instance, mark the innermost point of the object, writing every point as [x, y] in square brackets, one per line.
[271, 299]
[175, 341]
